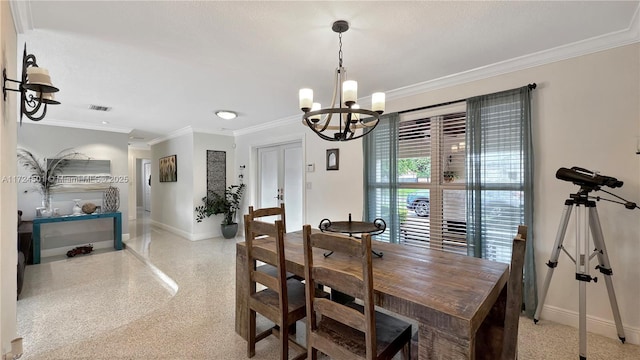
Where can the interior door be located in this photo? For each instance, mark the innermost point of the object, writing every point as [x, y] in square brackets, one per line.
[146, 186]
[280, 171]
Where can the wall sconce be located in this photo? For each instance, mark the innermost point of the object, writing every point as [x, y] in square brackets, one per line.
[37, 81]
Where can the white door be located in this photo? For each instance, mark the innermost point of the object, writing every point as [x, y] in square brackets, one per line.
[146, 185]
[280, 172]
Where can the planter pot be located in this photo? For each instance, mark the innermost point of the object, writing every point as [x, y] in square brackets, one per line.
[229, 231]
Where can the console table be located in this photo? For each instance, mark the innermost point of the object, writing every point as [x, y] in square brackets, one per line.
[117, 228]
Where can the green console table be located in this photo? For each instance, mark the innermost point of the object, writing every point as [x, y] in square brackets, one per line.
[117, 228]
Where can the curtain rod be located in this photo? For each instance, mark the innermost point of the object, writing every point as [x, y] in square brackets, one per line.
[531, 87]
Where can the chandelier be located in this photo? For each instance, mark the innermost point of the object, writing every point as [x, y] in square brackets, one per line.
[35, 88]
[344, 117]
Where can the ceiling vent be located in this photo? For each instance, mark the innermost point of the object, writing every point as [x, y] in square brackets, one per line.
[99, 108]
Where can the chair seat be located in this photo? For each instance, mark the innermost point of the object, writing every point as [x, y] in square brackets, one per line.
[391, 334]
[266, 302]
[273, 271]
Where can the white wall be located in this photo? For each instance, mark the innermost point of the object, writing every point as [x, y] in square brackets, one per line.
[585, 113]
[172, 202]
[8, 209]
[47, 141]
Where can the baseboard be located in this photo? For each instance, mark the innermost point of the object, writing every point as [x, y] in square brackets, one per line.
[187, 235]
[595, 325]
[173, 230]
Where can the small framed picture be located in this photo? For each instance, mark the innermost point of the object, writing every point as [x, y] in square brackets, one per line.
[169, 169]
[333, 159]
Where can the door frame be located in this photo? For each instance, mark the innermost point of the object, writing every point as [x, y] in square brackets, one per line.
[253, 169]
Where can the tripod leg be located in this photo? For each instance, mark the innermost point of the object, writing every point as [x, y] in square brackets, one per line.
[582, 275]
[605, 268]
[582, 322]
[553, 261]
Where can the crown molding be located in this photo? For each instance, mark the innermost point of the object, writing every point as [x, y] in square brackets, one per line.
[22, 18]
[183, 131]
[268, 125]
[213, 132]
[138, 146]
[625, 37]
[80, 125]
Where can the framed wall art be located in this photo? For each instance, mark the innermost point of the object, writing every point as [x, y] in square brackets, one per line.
[169, 168]
[333, 159]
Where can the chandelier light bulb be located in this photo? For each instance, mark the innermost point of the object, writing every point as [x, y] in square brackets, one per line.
[349, 92]
[306, 99]
[377, 102]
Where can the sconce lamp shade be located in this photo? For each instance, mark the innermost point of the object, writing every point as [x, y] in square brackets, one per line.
[38, 80]
[47, 98]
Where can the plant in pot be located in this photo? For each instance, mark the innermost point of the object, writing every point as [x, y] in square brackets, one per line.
[227, 205]
[46, 173]
[449, 176]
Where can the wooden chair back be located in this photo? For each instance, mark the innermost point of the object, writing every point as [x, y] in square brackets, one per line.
[271, 211]
[277, 283]
[514, 296]
[356, 286]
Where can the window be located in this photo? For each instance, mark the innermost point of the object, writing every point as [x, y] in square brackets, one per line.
[416, 179]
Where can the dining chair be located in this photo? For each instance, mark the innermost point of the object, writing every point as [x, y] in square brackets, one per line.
[270, 211]
[282, 301]
[267, 212]
[514, 296]
[348, 331]
[507, 333]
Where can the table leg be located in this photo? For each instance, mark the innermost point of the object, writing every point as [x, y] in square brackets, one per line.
[435, 344]
[242, 282]
[36, 244]
[117, 231]
[490, 335]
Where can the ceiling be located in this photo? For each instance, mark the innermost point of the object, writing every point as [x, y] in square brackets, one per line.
[162, 66]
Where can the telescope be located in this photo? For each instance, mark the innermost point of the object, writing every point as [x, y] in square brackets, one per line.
[587, 178]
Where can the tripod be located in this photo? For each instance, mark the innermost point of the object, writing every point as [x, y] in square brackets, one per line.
[587, 219]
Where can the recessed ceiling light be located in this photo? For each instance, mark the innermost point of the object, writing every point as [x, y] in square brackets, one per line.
[105, 123]
[225, 114]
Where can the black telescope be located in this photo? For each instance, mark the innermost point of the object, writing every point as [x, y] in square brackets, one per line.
[584, 177]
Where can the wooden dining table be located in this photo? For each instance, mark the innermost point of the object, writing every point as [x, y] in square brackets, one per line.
[458, 301]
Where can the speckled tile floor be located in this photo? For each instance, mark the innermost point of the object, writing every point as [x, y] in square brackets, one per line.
[170, 298]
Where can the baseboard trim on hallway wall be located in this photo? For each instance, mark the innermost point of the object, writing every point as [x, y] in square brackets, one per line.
[595, 325]
[184, 234]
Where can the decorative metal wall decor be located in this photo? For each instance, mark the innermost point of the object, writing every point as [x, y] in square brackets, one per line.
[216, 172]
[169, 168]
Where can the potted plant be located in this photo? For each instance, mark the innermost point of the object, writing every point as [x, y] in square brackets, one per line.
[226, 205]
[449, 175]
[46, 174]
